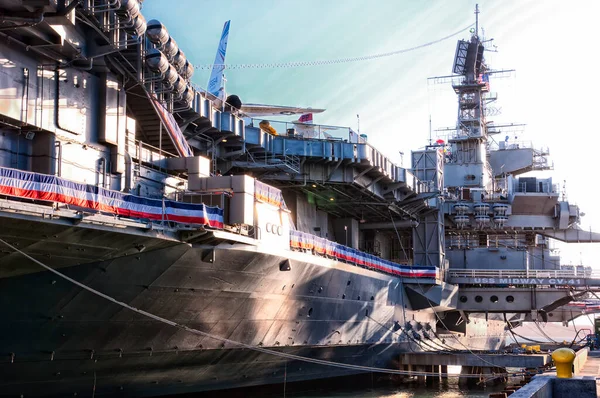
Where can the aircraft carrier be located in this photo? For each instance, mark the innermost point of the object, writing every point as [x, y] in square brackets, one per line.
[155, 239]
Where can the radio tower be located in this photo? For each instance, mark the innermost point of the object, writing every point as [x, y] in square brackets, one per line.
[470, 138]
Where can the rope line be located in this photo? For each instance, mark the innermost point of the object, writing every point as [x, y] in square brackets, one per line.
[296, 64]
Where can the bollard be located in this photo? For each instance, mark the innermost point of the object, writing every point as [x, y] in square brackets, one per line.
[563, 359]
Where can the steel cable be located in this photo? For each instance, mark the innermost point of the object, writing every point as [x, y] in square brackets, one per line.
[296, 64]
[440, 319]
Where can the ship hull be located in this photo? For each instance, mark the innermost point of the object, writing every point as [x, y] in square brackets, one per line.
[164, 373]
[59, 339]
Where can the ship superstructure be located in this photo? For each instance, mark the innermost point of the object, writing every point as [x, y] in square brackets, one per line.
[498, 219]
[120, 173]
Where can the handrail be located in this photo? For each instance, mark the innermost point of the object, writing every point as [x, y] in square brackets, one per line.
[216, 100]
[534, 273]
[316, 131]
[146, 152]
[155, 149]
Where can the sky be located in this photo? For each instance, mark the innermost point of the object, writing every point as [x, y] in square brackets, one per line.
[550, 44]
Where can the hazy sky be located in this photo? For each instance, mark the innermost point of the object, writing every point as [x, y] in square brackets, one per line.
[550, 43]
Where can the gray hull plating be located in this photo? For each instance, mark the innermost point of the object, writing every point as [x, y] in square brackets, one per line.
[57, 337]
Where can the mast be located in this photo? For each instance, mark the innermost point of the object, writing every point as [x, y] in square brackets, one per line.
[468, 166]
[476, 19]
[430, 130]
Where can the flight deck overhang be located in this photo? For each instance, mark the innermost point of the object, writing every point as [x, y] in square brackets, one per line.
[340, 175]
[572, 235]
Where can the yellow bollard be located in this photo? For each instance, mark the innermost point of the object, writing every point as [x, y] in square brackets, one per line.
[563, 359]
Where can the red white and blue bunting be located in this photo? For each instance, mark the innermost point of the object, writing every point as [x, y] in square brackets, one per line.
[181, 145]
[302, 240]
[54, 189]
[45, 187]
[268, 194]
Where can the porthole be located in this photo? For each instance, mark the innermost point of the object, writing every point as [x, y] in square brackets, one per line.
[478, 299]
[494, 299]
[463, 299]
[268, 227]
[510, 299]
[310, 311]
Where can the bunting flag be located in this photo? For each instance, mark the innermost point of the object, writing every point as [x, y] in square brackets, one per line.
[306, 241]
[268, 194]
[179, 141]
[45, 187]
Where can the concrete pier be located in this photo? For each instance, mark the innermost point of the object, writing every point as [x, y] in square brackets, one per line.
[421, 368]
[465, 381]
[582, 385]
[543, 386]
[444, 372]
[484, 365]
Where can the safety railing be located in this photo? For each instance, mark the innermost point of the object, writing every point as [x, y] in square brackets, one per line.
[513, 273]
[269, 159]
[309, 130]
[513, 144]
[145, 152]
[217, 102]
[540, 186]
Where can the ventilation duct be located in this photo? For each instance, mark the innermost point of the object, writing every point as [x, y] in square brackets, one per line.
[170, 76]
[157, 62]
[188, 95]
[157, 33]
[188, 71]
[179, 61]
[180, 86]
[138, 26]
[170, 48]
[129, 9]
